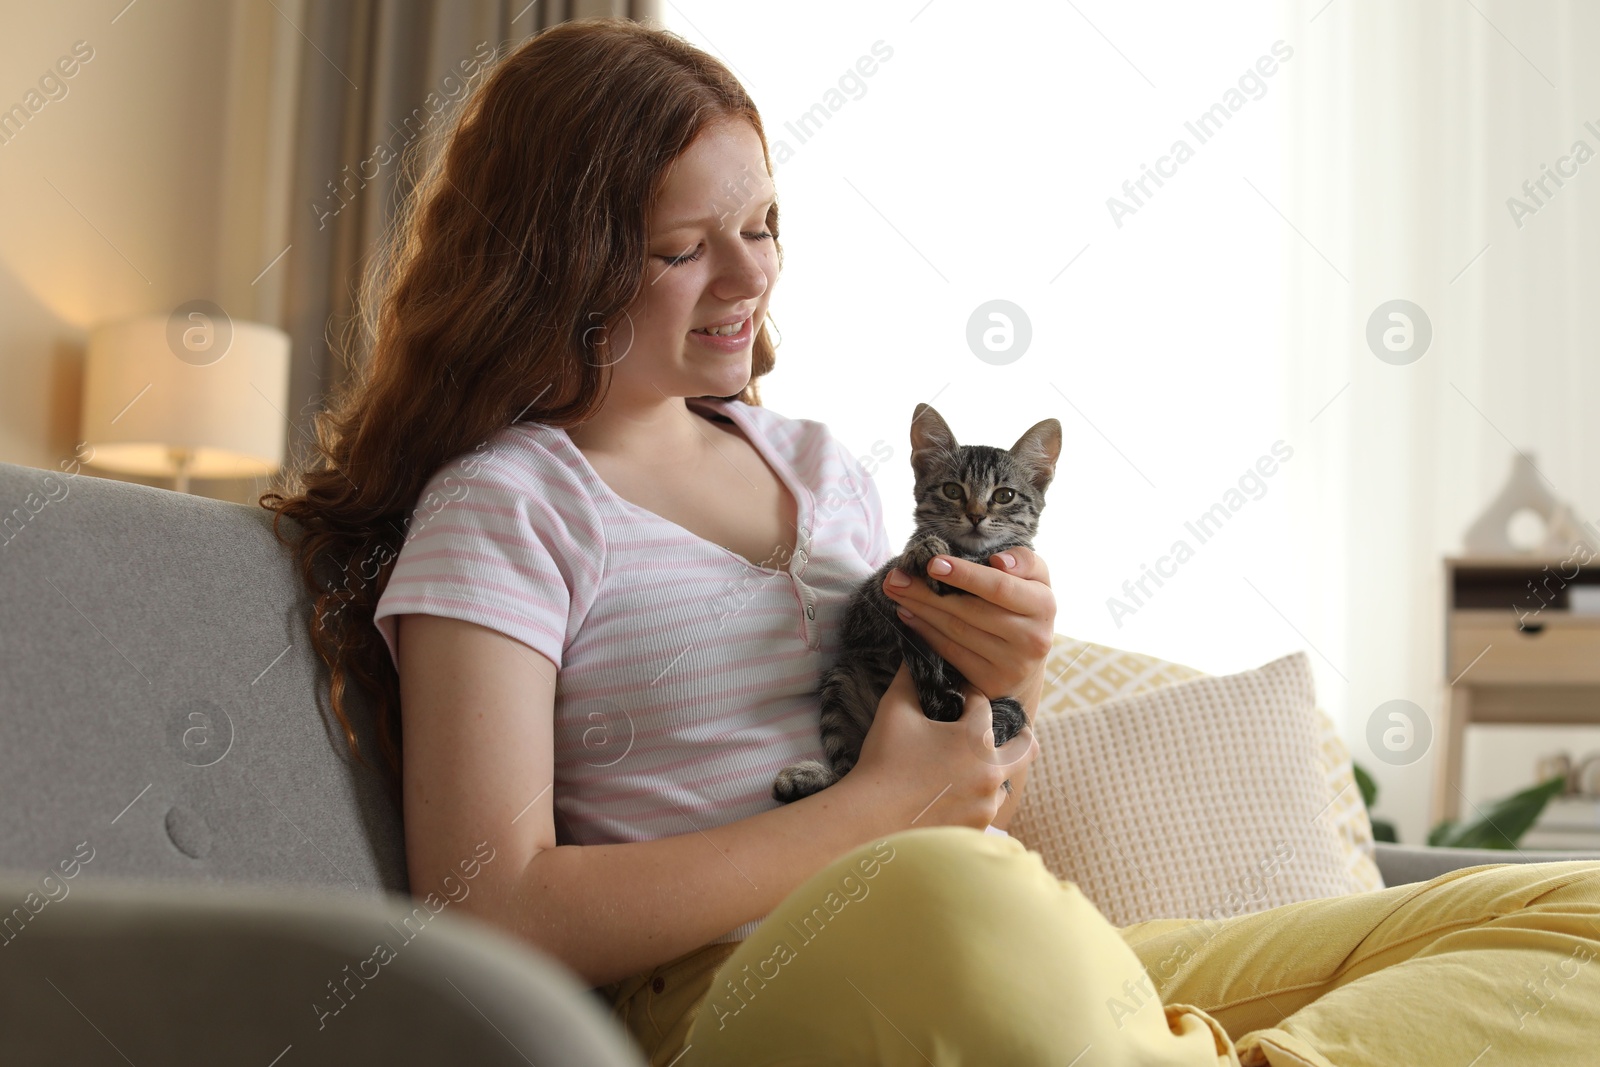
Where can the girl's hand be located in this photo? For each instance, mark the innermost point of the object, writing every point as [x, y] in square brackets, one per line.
[921, 772]
[997, 638]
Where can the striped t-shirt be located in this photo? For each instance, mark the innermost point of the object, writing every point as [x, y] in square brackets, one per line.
[687, 675]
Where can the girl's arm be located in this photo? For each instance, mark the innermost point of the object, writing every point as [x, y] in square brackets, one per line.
[477, 710]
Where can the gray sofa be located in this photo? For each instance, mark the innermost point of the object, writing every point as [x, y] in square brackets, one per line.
[192, 869]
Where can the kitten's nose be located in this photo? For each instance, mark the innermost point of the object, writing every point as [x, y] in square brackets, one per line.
[977, 520]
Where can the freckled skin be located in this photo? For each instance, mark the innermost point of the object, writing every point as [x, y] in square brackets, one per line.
[1004, 490]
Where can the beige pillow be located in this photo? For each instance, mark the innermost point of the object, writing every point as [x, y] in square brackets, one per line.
[1199, 799]
[1081, 674]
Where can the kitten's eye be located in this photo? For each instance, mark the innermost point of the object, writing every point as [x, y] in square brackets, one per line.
[1004, 496]
[953, 490]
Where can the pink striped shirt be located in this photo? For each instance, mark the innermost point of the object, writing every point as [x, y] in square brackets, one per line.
[687, 674]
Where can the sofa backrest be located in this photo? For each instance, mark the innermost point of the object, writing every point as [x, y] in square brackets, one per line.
[162, 713]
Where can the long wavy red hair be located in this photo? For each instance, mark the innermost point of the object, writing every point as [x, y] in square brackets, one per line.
[499, 283]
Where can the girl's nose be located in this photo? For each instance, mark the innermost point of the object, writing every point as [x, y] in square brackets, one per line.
[745, 277]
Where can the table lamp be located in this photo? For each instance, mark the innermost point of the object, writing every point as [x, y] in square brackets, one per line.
[190, 394]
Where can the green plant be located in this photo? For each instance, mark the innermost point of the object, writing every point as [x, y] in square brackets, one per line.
[1502, 823]
[1382, 829]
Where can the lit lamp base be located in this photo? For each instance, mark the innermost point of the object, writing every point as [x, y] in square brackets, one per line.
[226, 407]
[182, 460]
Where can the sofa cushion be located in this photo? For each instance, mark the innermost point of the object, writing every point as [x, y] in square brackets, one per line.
[288, 976]
[1082, 674]
[1199, 799]
[161, 704]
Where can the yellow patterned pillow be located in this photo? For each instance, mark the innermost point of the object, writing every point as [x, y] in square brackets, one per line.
[1080, 674]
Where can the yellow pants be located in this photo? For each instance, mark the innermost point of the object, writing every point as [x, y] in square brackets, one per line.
[946, 945]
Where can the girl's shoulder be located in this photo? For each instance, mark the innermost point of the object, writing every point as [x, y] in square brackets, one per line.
[522, 455]
[790, 437]
[525, 480]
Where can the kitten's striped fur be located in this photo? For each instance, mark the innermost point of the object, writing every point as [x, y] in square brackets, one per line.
[874, 639]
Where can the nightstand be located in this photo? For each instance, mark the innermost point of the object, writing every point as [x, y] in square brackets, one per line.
[1515, 652]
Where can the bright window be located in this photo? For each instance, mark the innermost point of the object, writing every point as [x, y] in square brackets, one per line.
[975, 163]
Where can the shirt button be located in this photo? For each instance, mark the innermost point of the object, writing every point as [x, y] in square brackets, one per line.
[810, 612]
[658, 984]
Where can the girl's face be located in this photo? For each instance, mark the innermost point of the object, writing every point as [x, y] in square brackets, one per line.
[711, 260]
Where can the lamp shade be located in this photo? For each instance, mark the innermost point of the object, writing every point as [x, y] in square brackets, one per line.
[191, 393]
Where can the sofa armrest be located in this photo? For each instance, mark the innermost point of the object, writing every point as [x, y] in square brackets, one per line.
[1403, 864]
[185, 973]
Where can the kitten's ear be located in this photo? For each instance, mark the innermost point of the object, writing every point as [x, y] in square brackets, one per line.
[1038, 450]
[931, 440]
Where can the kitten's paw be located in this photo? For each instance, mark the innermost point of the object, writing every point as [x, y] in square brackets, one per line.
[920, 554]
[801, 780]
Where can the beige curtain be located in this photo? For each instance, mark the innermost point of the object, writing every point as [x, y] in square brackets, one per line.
[351, 83]
[1415, 128]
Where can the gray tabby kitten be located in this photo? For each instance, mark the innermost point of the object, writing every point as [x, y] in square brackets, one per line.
[972, 501]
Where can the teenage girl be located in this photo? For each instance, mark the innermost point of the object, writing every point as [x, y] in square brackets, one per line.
[588, 583]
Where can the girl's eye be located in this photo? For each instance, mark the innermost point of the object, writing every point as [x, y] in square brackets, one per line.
[953, 490]
[674, 261]
[1003, 496]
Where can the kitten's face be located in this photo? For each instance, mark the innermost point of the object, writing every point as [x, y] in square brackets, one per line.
[977, 496]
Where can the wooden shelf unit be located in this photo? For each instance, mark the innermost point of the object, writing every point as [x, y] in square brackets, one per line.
[1514, 653]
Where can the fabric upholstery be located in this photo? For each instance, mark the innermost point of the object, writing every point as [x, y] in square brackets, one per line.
[160, 699]
[238, 974]
[1201, 799]
[1081, 674]
[1406, 864]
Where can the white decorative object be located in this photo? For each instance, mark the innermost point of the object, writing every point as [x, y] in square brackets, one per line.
[1527, 530]
[1526, 519]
